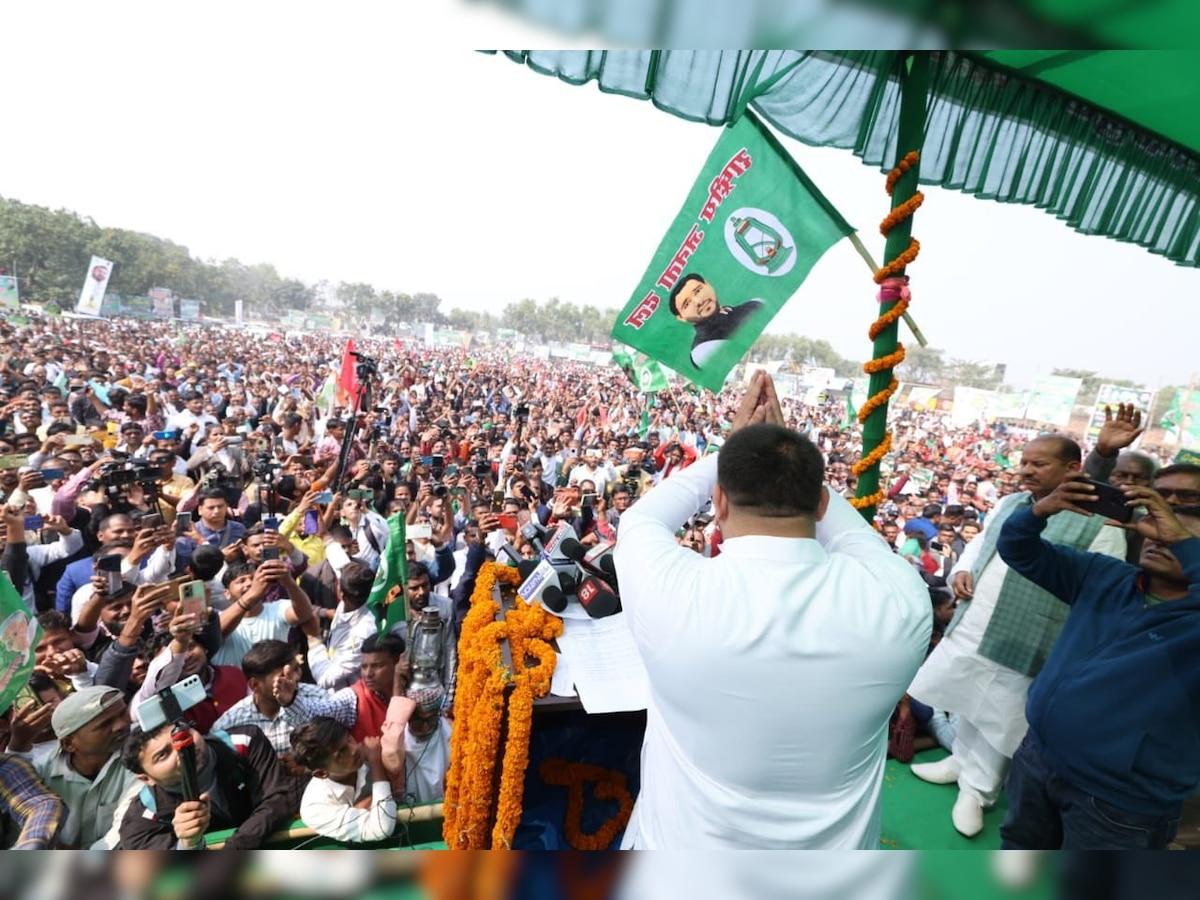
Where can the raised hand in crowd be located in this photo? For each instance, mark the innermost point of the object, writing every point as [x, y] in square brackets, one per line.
[1119, 430]
[28, 721]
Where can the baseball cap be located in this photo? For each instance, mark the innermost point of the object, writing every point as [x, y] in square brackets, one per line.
[81, 707]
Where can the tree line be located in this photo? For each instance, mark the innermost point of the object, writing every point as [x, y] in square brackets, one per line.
[49, 250]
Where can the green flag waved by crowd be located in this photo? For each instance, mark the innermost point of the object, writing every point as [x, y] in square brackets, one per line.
[644, 374]
[751, 229]
[387, 593]
[19, 635]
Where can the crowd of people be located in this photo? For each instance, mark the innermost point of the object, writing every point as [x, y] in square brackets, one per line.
[199, 513]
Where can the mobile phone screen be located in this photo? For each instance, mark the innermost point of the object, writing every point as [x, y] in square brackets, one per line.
[192, 600]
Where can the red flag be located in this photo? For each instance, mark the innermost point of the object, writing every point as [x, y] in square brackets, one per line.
[348, 377]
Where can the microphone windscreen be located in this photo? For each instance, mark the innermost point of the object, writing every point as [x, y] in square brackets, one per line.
[525, 568]
[554, 599]
[572, 549]
[598, 599]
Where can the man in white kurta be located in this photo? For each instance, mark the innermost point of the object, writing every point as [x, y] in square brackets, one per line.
[774, 667]
[988, 697]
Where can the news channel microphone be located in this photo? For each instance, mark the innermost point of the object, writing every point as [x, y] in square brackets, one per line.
[598, 598]
[597, 561]
[554, 542]
[547, 585]
[535, 534]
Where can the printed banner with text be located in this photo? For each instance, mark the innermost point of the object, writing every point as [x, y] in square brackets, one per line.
[1053, 399]
[751, 229]
[91, 298]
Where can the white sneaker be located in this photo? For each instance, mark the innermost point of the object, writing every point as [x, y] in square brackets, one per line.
[944, 771]
[967, 815]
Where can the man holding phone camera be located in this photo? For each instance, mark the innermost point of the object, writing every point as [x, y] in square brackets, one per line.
[1113, 747]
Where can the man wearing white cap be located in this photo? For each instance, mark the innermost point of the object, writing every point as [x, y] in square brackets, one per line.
[85, 768]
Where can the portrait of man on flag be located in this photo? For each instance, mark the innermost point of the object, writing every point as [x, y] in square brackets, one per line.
[694, 301]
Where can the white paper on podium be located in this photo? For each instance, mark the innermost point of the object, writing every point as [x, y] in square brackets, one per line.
[562, 684]
[605, 664]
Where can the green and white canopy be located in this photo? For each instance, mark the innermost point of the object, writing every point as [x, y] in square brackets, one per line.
[1106, 140]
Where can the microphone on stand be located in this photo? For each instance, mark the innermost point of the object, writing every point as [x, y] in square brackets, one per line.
[598, 598]
[549, 585]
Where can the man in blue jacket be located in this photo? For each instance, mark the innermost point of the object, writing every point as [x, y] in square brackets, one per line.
[1113, 747]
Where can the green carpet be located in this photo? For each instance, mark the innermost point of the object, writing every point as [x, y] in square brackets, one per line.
[916, 815]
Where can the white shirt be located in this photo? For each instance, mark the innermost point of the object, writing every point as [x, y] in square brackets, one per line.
[328, 809]
[268, 624]
[774, 669]
[337, 665]
[426, 763]
[600, 476]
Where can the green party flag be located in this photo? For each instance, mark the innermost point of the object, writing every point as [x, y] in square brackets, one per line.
[19, 634]
[751, 229]
[624, 362]
[651, 378]
[387, 593]
[644, 423]
[851, 413]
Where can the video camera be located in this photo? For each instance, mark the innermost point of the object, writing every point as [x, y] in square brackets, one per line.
[116, 477]
[219, 478]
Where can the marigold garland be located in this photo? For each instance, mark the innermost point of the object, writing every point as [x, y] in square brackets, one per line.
[888, 362]
[878, 400]
[610, 785]
[892, 315]
[483, 682]
[880, 363]
[874, 456]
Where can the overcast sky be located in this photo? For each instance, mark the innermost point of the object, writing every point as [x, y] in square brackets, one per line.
[345, 143]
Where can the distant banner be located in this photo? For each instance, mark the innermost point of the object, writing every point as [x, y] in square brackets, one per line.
[1182, 420]
[9, 301]
[1053, 399]
[751, 229]
[916, 396]
[189, 310]
[1009, 406]
[137, 307]
[239, 312]
[91, 298]
[970, 405]
[1110, 395]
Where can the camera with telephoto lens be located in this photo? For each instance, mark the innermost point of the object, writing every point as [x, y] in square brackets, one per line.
[218, 478]
[265, 465]
[521, 413]
[112, 477]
